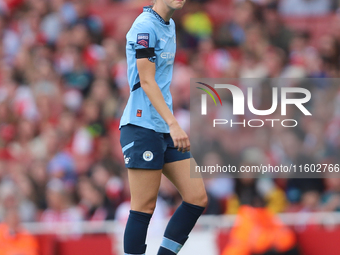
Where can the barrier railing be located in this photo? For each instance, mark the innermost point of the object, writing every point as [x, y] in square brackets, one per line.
[206, 221]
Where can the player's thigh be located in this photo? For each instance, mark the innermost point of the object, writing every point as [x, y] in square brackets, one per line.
[143, 151]
[192, 190]
[144, 186]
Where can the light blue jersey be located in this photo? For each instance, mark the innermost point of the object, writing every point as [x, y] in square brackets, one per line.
[153, 38]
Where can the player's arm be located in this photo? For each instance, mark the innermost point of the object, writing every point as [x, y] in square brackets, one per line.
[147, 70]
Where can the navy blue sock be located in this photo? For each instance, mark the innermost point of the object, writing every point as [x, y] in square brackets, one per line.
[135, 232]
[179, 227]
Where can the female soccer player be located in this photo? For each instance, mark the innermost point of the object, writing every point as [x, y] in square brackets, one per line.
[152, 141]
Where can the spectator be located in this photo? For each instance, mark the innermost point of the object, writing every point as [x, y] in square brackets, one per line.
[272, 236]
[91, 201]
[330, 200]
[60, 209]
[78, 76]
[197, 24]
[17, 193]
[13, 238]
[232, 33]
[330, 51]
[109, 185]
[279, 34]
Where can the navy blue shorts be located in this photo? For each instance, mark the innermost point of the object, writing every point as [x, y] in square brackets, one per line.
[146, 149]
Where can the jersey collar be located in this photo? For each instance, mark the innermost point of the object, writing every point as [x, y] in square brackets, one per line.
[149, 9]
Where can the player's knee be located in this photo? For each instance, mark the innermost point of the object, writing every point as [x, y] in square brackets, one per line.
[199, 198]
[145, 207]
[203, 200]
[150, 207]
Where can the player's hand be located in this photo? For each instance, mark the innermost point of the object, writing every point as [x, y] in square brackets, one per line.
[179, 137]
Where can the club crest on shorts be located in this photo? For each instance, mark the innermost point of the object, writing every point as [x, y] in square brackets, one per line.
[147, 155]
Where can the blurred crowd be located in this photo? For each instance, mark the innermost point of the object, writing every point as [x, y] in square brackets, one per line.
[63, 88]
[313, 145]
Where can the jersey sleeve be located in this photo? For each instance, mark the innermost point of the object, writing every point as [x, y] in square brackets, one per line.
[143, 38]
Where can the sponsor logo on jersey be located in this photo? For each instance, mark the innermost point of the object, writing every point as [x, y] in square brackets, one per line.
[139, 113]
[167, 55]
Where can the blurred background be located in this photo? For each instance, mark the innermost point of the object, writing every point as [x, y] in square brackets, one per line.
[63, 87]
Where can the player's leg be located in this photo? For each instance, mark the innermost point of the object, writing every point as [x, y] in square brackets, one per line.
[143, 151]
[144, 185]
[194, 201]
[192, 190]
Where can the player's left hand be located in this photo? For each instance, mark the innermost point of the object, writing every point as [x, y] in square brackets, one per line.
[179, 137]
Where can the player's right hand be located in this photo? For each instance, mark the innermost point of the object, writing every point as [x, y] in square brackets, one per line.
[179, 137]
